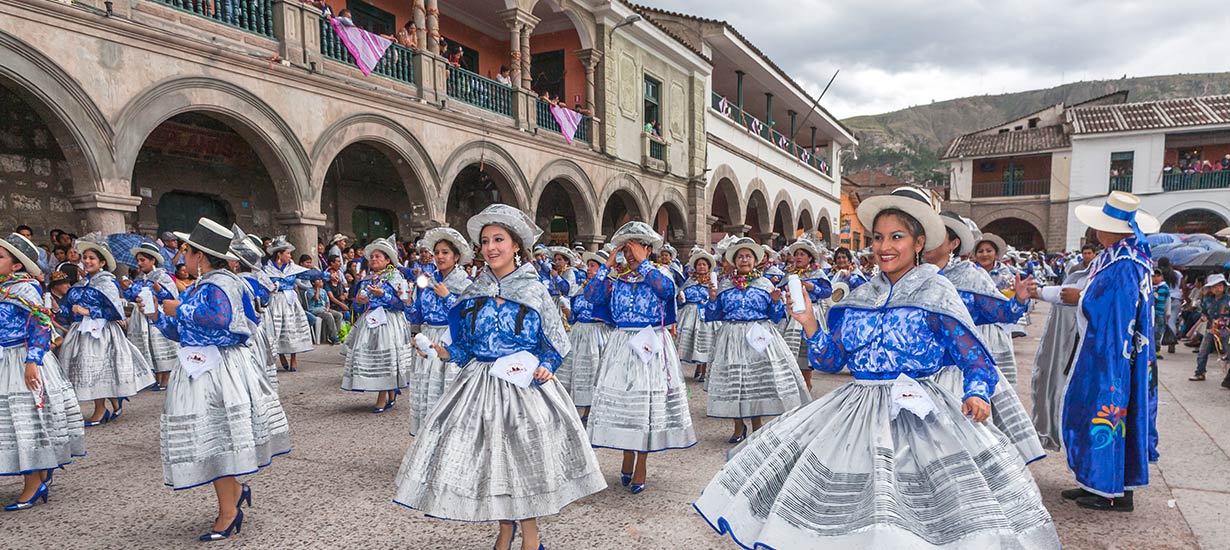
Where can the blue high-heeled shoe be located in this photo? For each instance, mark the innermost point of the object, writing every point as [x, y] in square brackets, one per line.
[106, 417]
[625, 478]
[41, 492]
[119, 407]
[245, 496]
[510, 539]
[742, 435]
[636, 488]
[234, 527]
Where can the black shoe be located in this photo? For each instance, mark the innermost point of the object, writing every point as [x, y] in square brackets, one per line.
[1073, 494]
[1198, 377]
[1226, 382]
[1118, 504]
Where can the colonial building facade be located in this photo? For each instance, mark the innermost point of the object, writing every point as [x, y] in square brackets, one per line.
[141, 115]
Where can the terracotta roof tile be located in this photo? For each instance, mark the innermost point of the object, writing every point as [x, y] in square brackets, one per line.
[1008, 143]
[1150, 115]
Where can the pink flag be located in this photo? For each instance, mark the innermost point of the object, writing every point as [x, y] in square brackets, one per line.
[365, 47]
[569, 121]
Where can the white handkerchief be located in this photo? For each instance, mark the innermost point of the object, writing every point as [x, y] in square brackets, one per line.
[759, 337]
[516, 369]
[376, 318]
[446, 339]
[198, 360]
[93, 327]
[908, 394]
[646, 344]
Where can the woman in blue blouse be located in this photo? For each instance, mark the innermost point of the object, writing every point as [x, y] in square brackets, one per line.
[158, 351]
[248, 249]
[287, 322]
[997, 336]
[41, 418]
[640, 400]
[378, 355]
[221, 419]
[696, 335]
[846, 270]
[430, 376]
[890, 460]
[590, 331]
[97, 357]
[802, 256]
[753, 374]
[533, 458]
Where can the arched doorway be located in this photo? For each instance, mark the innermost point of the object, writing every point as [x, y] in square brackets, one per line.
[35, 164]
[1017, 233]
[723, 208]
[369, 192]
[1194, 220]
[194, 165]
[474, 189]
[825, 231]
[620, 209]
[669, 221]
[557, 214]
[782, 225]
[757, 217]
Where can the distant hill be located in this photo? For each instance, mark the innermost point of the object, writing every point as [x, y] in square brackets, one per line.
[908, 141]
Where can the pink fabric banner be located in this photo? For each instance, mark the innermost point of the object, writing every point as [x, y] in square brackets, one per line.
[569, 121]
[365, 47]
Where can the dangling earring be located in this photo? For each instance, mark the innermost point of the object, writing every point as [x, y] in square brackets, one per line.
[918, 258]
[517, 260]
[198, 270]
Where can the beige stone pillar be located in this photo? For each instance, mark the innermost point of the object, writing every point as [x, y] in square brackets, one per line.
[433, 26]
[513, 21]
[302, 229]
[527, 74]
[591, 58]
[419, 12]
[297, 28]
[104, 212]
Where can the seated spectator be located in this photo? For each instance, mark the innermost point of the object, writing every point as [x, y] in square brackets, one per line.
[505, 75]
[317, 299]
[183, 279]
[60, 253]
[1225, 163]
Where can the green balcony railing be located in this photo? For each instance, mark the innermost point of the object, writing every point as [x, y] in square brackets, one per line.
[547, 121]
[766, 132]
[397, 63]
[254, 16]
[1188, 182]
[481, 92]
[1121, 183]
[657, 149]
[1011, 188]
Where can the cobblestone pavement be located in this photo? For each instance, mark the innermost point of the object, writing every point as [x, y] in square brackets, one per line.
[335, 488]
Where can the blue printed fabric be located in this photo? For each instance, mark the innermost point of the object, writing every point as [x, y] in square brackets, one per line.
[429, 308]
[821, 288]
[390, 301]
[19, 325]
[138, 285]
[749, 304]
[485, 330]
[644, 297]
[696, 294]
[585, 311]
[988, 310]
[885, 343]
[90, 298]
[260, 292]
[202, 319]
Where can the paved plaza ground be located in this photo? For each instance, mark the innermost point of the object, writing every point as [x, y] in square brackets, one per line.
[335, 489]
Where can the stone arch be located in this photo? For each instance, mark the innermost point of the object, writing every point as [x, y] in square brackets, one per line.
[265, 131]
[1167, 217]
[579, 188]
[783, 208]
[1018, 233]
[757, 208]
[491, 156]
[395, 141]
[985, 219]
[824, 224]
[583, 28]
[675, 203]
[629, 184]
[725, 180]
[78, 126]
[804, 219]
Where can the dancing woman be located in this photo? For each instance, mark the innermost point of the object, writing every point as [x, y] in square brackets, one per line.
[535, 459]
[590, 330]
[998, 336]
[248, 249]
[97, 357]
[640, 400]
[221, 419]
[846, 270]
[802, 261]
[378, 356]
[696, 335]
[890, 460]
[40, 416]
[1057, 350]
[289, 332]
[753, 374]
[431, 376]
[155, 348]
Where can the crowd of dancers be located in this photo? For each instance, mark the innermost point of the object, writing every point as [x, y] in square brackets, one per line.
[518, 374]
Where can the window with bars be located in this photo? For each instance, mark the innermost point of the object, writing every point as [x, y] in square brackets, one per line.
[653, 105]
[1121, 165]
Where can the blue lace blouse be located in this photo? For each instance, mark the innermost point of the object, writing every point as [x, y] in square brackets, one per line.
[90, 298]
[390, 301]
[749, 304]
[137, 285]
[639, 299]
[696, 294]
[203, 318]
[19, 326]
[490, 332]
[987, 310]
[585, 311]
[429, 308]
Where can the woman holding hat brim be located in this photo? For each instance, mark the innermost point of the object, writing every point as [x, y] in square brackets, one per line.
[563, 279]
[640, 400]
[247, 249]
[998, 336]
[285, 315]
[432, 377]
[802, 257]
[590, 330]
[378, 355]
[695, 334]
[45, 431]
[155, 348]
[746, 382]
[892, 459]
[986, 305]
[1106, 418]
[534, 457]
[221, 419]
[101, 363]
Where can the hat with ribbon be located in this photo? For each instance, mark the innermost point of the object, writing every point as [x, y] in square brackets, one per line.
[599, 256]
[744, 243]
[387, 246]
[279, 244]
[24, 251]
[698, 254]
[955, 223]
[508, 217]
[97, 242]
[564, 251]
[210, 238]
[444, 233]
[915, 202]
[639, 232]
[1120, 213]
[246, 247]
[149, 249]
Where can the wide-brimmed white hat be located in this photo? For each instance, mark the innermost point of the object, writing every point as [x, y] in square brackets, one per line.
[437, 234]
[840, 290]
[742, 243]
[1214, 280]
[1120, 213]
[957, 224]
[338, 237]
[279, 244]
[913, 201]
[24, 251]
[510, 218]
[246, 247]
[807, 245]
[210, 238]
[565, 252]
[699, 253]
[1001, 247]
[600, 256]
[149, 249]
[637, 231]
[97, 242]
[387, 246]
[666, 247]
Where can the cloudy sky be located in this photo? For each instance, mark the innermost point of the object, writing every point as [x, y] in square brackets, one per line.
[897, 53]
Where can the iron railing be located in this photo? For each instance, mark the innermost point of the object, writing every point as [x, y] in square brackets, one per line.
[254, 16]
[547, 120]
[1121, 183]
[758, 127]
[1187, 182]
[1011, 188]
[657, 149]
[397, 63]
[481, 92]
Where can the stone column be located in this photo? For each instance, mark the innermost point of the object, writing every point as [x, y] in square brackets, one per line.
[104, 212]
[433, 27]
[419, 12]
[513, 20]
[527, 75]
[302, 228]
[592, 242]
[590, 58]
[739, 229]
[297, 27]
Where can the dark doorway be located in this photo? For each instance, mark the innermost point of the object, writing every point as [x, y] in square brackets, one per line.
[179, 211]
[372, 223]
[549, 73]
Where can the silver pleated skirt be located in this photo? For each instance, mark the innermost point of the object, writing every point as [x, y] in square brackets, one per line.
[840, 473]
[288, 327]
[109, 366]
[999, 345]
[493, 451]
[792, 333]
[32, 438]
[226, 422]
[579, 370]
[695, 335]
[744, 383]
[377, 359]
[1008, 414]
[157, 350]
[430, 379]
[637, 406]
[1052, 366]
[260, 348]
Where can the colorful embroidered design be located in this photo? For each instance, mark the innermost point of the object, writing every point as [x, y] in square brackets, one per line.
[741, 281]
[1110, 420]
[40, 313]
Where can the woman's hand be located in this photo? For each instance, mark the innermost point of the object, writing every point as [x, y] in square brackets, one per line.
[361, 299]
[808, 286]
[976, 408]
[807, 318]
[441, 290]
[79, 310]
[543, 375]
[126, 284]
[776, 295]
[1025, 288]
[32, 380]
[169, 306]
[611, 260]
[442, 353]
[376, 290]
[712, 292]
[157, 287]
[1070, 296]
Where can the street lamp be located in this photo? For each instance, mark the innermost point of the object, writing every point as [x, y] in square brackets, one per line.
[627, 21]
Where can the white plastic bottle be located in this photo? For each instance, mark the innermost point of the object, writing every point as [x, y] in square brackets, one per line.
[795, 286]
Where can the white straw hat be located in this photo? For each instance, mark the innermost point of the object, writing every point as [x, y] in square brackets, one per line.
[444, 233]
[957, 224]
[97, 242]
[25, 252]
[1120, 214]
[742, 243]
[210, 238]
[913, 201]
[507, 217]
